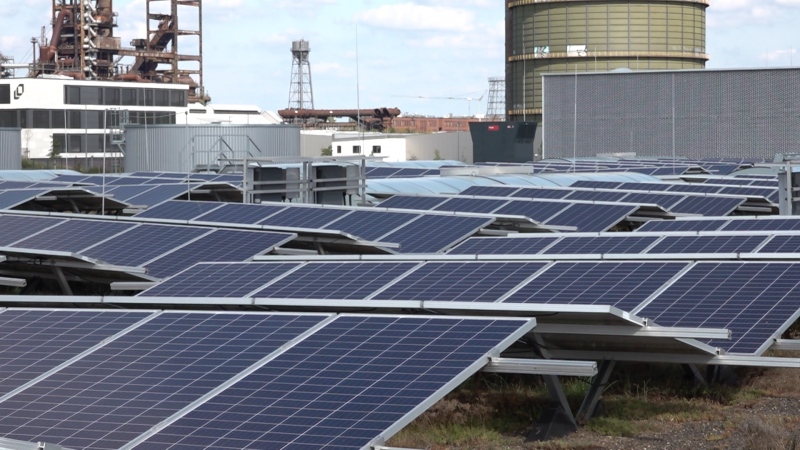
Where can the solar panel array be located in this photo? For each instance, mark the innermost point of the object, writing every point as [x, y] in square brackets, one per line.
[654, 167]
[765, 223]
[108, 379]
[750, 191]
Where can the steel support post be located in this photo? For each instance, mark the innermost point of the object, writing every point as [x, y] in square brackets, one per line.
[599, 382]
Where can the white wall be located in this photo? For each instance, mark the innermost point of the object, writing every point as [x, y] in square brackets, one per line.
[392, 149]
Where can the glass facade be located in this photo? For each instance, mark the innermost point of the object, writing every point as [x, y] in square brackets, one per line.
[112, 96]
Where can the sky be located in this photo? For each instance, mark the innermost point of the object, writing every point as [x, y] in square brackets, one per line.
[442, 48]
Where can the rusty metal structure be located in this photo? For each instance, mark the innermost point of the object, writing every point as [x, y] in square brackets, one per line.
[83, 46]
[378, 119]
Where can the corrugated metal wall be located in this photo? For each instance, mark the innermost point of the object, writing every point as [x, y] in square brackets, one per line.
[718, 113]
[10, 149]
[180, 148]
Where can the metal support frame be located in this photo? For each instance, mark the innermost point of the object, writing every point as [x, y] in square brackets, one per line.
[648, 331]
[557, 420]
[589, 407]
[62, 280]
[542, 367]
[791, 345]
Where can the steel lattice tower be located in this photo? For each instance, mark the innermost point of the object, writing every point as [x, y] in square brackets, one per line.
[496, 106]
[301, 91]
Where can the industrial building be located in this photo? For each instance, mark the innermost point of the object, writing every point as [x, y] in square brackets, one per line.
[558, 36]
[726, 113]
[398, 147]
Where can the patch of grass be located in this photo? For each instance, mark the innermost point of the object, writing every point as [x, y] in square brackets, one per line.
[443, 436]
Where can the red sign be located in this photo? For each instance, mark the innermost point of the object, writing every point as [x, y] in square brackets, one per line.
[494, 128]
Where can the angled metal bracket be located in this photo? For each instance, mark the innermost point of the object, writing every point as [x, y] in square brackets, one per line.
[589, 406]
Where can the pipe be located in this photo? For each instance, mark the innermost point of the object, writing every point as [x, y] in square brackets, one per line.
[131, 77]
[50, 51]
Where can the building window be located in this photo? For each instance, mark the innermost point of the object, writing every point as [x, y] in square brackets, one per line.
[129, 97]
[357, 149]
[41, 119]
[112, 96]
[162, 98]
[8, 119]
[338, 149]
[5, 94]
[376, 149]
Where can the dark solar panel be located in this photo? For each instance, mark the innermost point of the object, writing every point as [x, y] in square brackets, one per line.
[644, 186]
[599, 196]
[748, 191]
[433, 233]
[15, 228]
[179, 210]
[538, 211]
[219, 246]
[782, 244]
[371, 225]
[708, 206]
[69, 178]
[74, 235]
[32, 342]
[142, 244]
[765, 183]
[147, 174]
[122, 390]
[461, 282]
[596, 184]
[663, 200]
[542, 193]
[739, 182]
[382, 172]
[159, 195]
[593, 218]
[10, 199]
[601, 245]
[407, 202]
[125, 193]
[682, 225]
[753, 300]
[230, 280]
[503, 246]
[5, 185]
[127, 181]
[694, 188]
[336, 281]
[624, 285]
[490, 191]
[342, 387]
[239, 213]
[708, 244]
[300, 217]
[471, 205]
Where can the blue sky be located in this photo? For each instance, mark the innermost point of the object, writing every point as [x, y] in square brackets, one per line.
[407, 47]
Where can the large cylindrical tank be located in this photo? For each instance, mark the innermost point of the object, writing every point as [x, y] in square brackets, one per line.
[559, 36]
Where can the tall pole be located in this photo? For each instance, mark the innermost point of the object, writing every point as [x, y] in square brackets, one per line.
[103, 199]
[575, 126]
[674, 159]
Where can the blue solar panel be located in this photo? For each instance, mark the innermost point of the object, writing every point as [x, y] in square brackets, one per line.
[599, 196]
[433, 233]
[341, 388]
[69, 178]
[125, 193]
[32, 342]
[708, 206]
[765, 183]
[782, 244]
[300, 217]
[371, 225]
[335, 281]
[542, 193]
[179, 210]
[127, 181]
[407, 202]
[490, 191]
[644, 186]
[503, 246]
[219, 246]
[601, 245]
[753, 300]
[471, 205]
[664, 200]
[738, 182]
[159, 195]
[15, 228]
[382, 172]
[122, 390]
[538, 211]
[461, 282]
[694, 188]
[147, 174]
[142, 244]
[624, 285]
[708, 244]
[593, 218]
[10, 199]
[6, 185]
[747, 191]
[230, 280]
[240, 213]
[74, 235]
[682, 225]
[765, 224]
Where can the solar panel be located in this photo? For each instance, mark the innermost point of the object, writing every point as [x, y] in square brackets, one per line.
[240, 213]
[160, 194]
[143, 243]
[219, 246]
[765, 183]
[127, 181]
[600, 196]
[593, 218]
[489, 191]
[382, 172]
[433, 234]
[179, 210]
[694, 188]
[471, 205]
[15, 228]
[708, 206]
[765, 224]
[33, 342]
[682, 225]
[753, 300]
[122, 390]
[342, 387]
[645, 186]
[335, 281]
[750, 191]
[708, 244]
[664, 200]
[407, 202]
[601, 245]
[503, 246]
[300, 217]
[74, 235]
[782, 244]
[229, 280]
[10, 199]
[125, 193]
[538, 211]
[69, 178]
[624, 285]
[739, 182]
[371, 225]
[460, 282]
[542, 193]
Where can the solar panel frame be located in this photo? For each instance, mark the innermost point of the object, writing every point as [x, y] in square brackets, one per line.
[599, 196]
[11, 199]
[707, 206]
[766, 224]
[239, 213]
[19, 228]
[683, 225]
[161, 194]
[707, 244]
[542, 193]
[504, 246]
[471, 205]
[434, 233]
[593, 217]
[412, 202]
[371, 225]
[143, 243]
[490, 191]
[179, 210]
[584, 245]
[74, 235]
[303, 217]
[539, 211]
[781, 244]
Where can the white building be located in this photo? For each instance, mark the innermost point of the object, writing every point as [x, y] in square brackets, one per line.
[395, 147]
[74, 115]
